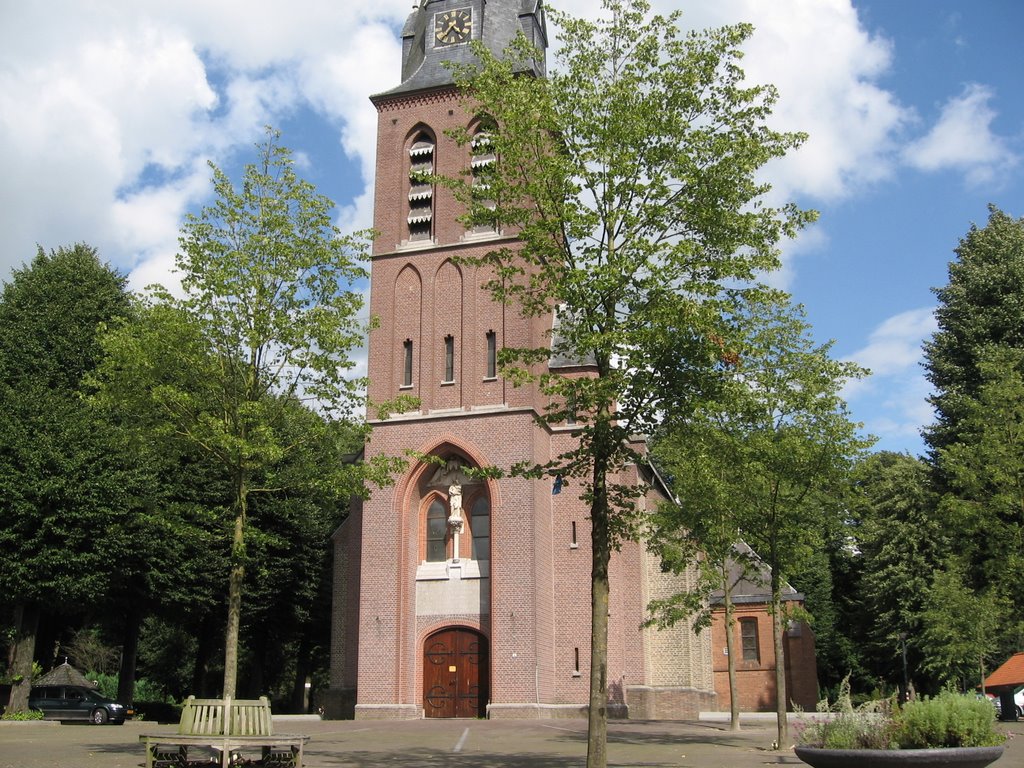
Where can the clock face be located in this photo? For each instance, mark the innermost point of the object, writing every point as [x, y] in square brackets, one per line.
[455, 26]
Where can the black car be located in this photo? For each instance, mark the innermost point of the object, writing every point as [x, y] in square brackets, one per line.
[76, 702]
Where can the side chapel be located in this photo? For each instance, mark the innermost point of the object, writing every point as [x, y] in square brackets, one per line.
[456, 596]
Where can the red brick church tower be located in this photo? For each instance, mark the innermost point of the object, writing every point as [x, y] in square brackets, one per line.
[457, 596]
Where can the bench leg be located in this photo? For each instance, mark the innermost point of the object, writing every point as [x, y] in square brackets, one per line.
[165, 758]
[285, 758]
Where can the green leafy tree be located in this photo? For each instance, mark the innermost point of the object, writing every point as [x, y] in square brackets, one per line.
[783, 444]
[66, 485]
[798, 444]
[699, 528]
[291, 550]
[169, 569]
[959, 627]
[269, 316]
[630, 176]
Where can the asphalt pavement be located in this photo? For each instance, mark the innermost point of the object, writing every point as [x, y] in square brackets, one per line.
[444, 743]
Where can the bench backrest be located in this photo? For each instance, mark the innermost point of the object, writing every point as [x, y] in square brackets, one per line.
[226, 717]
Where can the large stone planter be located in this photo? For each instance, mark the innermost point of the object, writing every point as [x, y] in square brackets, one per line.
[958, 757]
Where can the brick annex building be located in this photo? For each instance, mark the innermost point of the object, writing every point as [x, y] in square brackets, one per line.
[454, 596]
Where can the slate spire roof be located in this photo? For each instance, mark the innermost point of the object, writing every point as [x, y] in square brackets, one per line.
[496, 22]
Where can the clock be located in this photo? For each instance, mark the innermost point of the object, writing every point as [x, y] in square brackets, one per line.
[455, 26]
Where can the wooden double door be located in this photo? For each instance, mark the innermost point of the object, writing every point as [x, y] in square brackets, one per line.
[455, 674]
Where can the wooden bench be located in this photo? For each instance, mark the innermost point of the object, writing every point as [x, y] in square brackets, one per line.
[227, 727]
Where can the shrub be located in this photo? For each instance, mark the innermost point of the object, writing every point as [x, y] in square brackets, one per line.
[145, 690]
[843, 726]
[30, 715]
[867, 727]
[948, 720]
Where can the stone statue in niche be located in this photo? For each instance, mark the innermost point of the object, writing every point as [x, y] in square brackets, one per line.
[455, 507]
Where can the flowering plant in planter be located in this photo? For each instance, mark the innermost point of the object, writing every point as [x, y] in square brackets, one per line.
[946, 730]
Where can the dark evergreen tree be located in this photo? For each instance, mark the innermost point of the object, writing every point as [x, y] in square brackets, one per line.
[981, 306]
[66, 486]
[901, 544]
[975, 361]
[830, 581]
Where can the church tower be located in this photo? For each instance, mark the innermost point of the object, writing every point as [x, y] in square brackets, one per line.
[455, 595]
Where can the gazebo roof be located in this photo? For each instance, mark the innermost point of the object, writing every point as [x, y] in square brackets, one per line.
[1009, 675]
[63, 674]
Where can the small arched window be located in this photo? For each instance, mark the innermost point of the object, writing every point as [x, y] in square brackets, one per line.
[437, 532]
[421, 190]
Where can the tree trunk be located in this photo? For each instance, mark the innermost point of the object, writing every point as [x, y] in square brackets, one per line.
[129, 654]
[780, 664]
[302, 668]
[235, 581]
[730, 650]
[26, 623]
[600, 537]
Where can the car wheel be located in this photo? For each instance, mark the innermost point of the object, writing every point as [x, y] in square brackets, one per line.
[99, 716]
[1020, 713]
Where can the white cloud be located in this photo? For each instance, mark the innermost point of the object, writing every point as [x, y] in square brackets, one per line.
[826, 67]
[109, 110]
[895, 345]
[901, 415]
[893, 399]
[963, 140]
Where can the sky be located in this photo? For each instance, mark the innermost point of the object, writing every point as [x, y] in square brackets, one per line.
[110, 111]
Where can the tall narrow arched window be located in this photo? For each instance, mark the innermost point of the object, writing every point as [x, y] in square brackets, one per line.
[407, 363]
[491, 371]
[480, 527]
[437, 532]
[449, 358]
[421, 191]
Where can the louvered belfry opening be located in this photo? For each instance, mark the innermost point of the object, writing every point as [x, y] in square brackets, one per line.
[481, 163]
[421, 190]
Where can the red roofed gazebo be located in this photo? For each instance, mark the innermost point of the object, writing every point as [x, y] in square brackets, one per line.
[1004, 682]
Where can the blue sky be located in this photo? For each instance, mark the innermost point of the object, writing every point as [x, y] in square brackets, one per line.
[109, 111]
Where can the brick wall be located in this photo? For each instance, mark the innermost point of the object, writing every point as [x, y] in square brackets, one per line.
[755, 680]
[339, 700]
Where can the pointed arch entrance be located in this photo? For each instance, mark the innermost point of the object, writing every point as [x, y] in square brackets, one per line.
[455, 673]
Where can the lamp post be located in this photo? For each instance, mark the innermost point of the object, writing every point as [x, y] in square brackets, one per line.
[903, 653]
